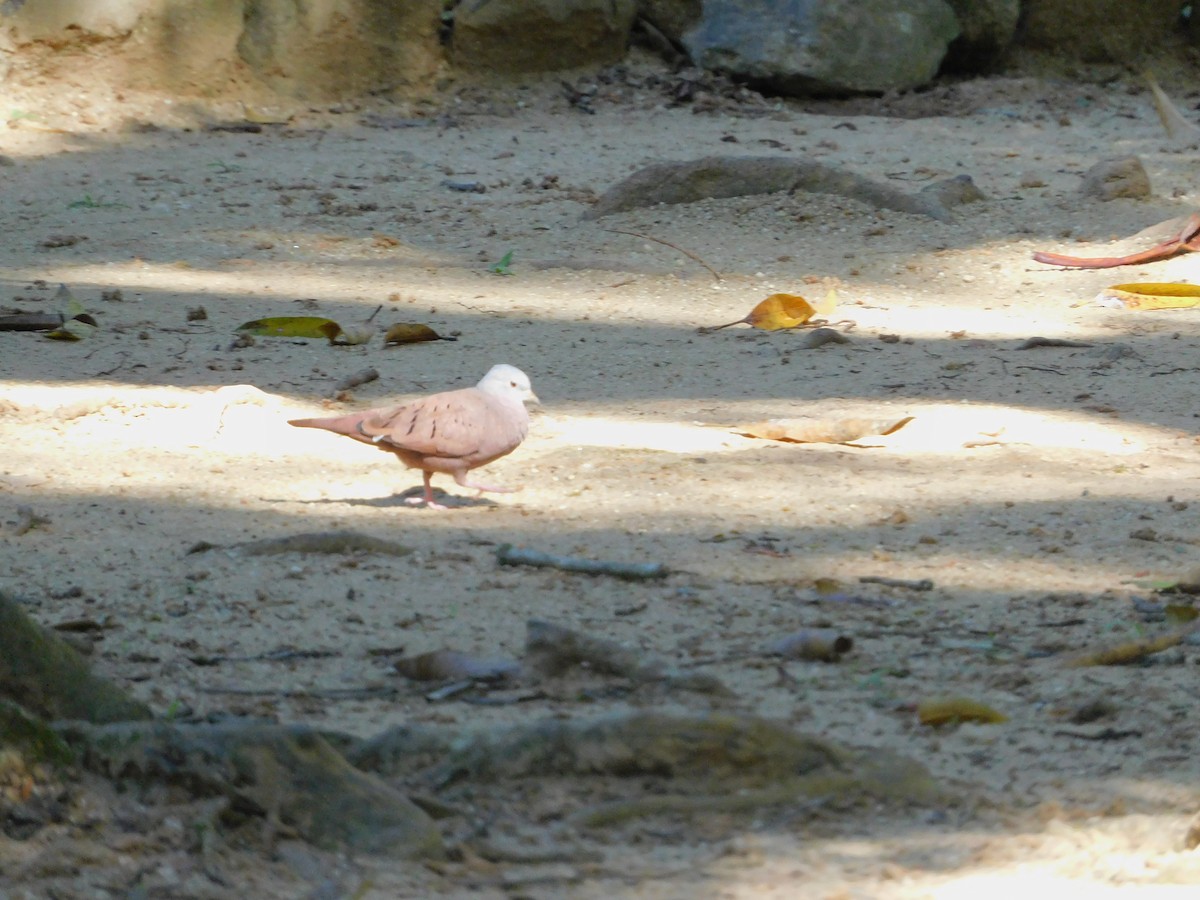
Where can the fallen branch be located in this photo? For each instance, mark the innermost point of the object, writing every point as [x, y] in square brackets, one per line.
[1177, 127]
[508, 555]
[922, 584]
[1188, 239]
[1038, 341]
[31, 321]
[350, 382]
[716, 177]
[313, 542]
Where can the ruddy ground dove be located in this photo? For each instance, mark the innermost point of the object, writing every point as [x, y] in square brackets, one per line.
[452, 432]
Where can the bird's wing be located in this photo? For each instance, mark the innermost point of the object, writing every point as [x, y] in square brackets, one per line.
[464, 424]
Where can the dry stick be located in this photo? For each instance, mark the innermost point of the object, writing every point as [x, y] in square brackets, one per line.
[350, 382]
[1173, 121]
[923, 584]
[124, 356]
[1039, 341]
[364, 693]
[688, 253]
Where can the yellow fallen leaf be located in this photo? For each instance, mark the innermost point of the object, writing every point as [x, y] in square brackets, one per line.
[1153, 295]
[780, 311]
[293, 326]
[951, 710]
[775, 313]
[820, 431]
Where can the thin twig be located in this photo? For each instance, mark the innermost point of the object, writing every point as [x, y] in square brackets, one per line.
[688, 253]
[923, 584]
[120, 364]
[362, 693]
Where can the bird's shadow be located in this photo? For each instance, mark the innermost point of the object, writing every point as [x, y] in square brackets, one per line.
[401, 500]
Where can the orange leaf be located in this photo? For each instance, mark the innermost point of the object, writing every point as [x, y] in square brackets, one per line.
[1154, 295]
[780, 311]
[777, 312]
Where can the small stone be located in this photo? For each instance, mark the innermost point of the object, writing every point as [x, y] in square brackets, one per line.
[1115, 178]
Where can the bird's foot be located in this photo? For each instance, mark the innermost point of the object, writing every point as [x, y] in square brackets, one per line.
[427, 502]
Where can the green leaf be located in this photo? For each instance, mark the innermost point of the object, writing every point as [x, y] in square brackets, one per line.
[293, 327]
[501, 268]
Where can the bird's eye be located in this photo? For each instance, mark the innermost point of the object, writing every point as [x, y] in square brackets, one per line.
[512, 384]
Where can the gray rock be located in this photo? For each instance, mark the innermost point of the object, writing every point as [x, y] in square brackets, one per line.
[824, 46]
[1113, 178]
[514, 36]
[986, 30]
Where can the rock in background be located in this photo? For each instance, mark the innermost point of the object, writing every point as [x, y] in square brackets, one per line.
[311, 50]
[514, 36]
[1099, 31]
[255, 51]
[803, 47]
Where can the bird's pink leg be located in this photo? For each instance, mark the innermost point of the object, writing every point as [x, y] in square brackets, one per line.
[428, 498]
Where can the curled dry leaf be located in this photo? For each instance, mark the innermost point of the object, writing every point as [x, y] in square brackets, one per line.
[952, 710]
[1151, 295]
[820, 431]
[411, 333]
[819, 644]
[450, 665]
[77, 323]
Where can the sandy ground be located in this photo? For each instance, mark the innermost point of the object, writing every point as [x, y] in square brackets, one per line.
[1039, 490]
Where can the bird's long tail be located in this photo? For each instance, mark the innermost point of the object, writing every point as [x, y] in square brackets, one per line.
[347, 425]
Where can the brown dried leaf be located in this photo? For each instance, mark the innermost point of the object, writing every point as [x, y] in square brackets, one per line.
[411, 333]
[820, 431]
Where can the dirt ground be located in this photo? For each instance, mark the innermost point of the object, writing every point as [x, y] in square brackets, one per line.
[1040, 490]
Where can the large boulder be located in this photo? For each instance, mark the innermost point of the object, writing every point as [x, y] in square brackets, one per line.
[830, 47]
[513, 36]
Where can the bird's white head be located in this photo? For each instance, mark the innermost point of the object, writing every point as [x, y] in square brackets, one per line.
[506, 380]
